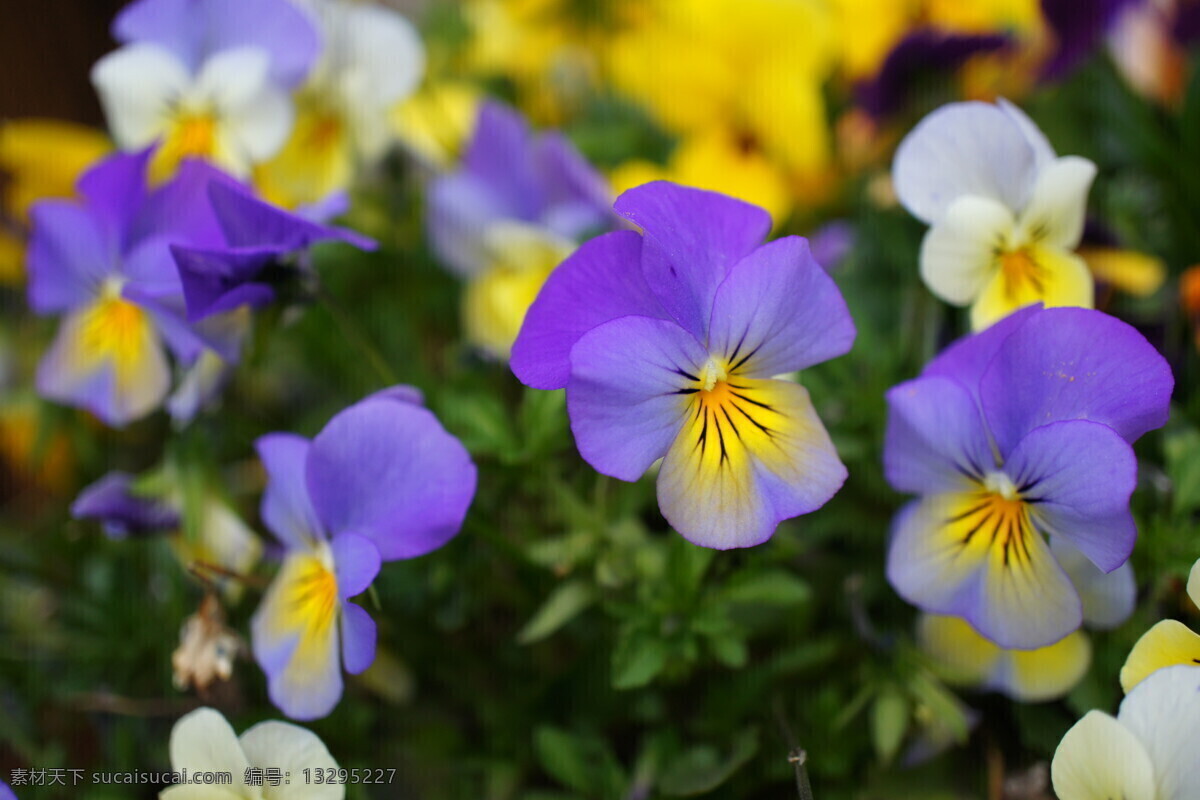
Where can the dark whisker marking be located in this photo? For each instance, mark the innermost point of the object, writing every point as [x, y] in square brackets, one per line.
[702, 442]
[755, 402]
[968, 513]
[1032, 485]
[685, 374]
[753, 421]
[684, 391]
[966, 540]
[738, 433]
[741, 341]
[721, 437]
[746, 357]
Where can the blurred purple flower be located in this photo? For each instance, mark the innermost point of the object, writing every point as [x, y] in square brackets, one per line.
[254, 236]
[511, 174]
[6, 793]
[925, 51]
[1017, 433]
[1079, 28]
[105, 264]
[831, 243]
[382, 481]
[121, 513]
[667, 343]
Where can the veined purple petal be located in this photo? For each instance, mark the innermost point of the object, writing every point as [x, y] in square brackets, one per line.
[195, 29]
[286, 507]
[1078, 477]
[578, 198]
[69, 257]
[215, 281]
[114, 191]
[968, 358]
[628, 396]
[691, 239]
[356, 561]
[122, 513]
[251, 223]
[388, 471]
[935, 440]
[359, 635]
[1073, 363]
[778, 311]
[600, 281]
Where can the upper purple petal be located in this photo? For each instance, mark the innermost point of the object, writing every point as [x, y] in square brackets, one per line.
[778, 311]
[968, 358]
[500, 156]
[356, 561]
[286, 509]
[1074, 363]
[69, 257]
[691, 239]
[600, 281]
[388, 471]
[115, 191]
[249, 222]
[112, 502]
[195, 29]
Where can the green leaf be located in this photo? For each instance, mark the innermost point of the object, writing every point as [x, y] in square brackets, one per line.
[637, 659]
[775, 587]
[729, 649]
[1182, 450]
[564, 604]
[580, 762]
[889, 722]
[543, 421]
[701, 769]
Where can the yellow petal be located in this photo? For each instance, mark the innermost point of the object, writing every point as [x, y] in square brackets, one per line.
[1048, 673]
[1036, 274]
[1193, 584]
[317, 160]
[436, 122]
[966, 657]
[44, 158]
[1139, 274]
[718, 161]
[1168, 642]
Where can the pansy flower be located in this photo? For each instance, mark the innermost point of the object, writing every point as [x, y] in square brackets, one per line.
[668, 342]
[1046, 673]
[1005, 213]
[511, 212]
[382, 481]
[203, 741]
[205, 79]
[1011, 435]
[123, 512]
[371, 59]
[1146, 752]
[105, 264]
[1168, 642]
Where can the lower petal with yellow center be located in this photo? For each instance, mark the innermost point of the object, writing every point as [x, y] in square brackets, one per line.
[1028, 275]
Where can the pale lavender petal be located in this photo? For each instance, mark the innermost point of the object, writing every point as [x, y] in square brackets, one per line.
[359, 635]
[389, 471]
[286, 507]
[356, 561]
[1108, 598]
[691, 239]
[458, 210]
[935, 440]
[122, 513]
[579, 199]
[499, 157]
[778, 312]
[1078, 477]
[69, 257]
[628, 396]
[600, 281]
[1074, 363]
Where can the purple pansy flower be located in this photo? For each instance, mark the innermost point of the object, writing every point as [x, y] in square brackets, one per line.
[254, 235]
[6, 793]
[509, 174]
[105, 264]
[121, 512]
[1011, 435]
[382, 481]
[667, 343]
[1079, 28]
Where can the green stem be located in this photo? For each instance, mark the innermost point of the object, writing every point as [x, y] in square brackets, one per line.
[355, 335]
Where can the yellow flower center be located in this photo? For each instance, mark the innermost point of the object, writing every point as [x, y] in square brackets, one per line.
[995, 518]
[1022, 274]
[114, 328]
[192, 134]
[314, 594]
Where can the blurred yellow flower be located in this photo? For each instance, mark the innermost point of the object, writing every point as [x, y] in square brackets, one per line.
[1138, 274]
[436, 122]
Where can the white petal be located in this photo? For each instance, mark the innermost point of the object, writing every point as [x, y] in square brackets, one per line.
[958, 254]
[1163, 712]
[292, 749]
[204, 741]
[257, 129]
[137, 84]
[1099, 759]
[1058, 204]
[233, 78]
[1193, 586]
[964, 149]
[1043, 153]
[387, 58]
[1108, 599]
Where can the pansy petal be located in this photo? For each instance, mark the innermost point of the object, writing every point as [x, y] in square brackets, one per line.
[279, 745]
[600, 281]
[1193, 584]
[1047, 673]
[67, 265]
[356, 561]
[778, 312]
[359, 636]
[135, 84]
[286, 507]
[1077, 476]
[967, 359]
[960, 652]
[497, 156]
[1108, 598]
[935, 440]
[216, 281]
[113, 502]
[628, 395]
[751, 454]
[1100, 758]
[958, 253]
[1051, 368]
[1168, 643]
[248, 222]
[115, 189]
[203, 741]
[1042, 274]
[964, 149]
[389, 471]
[1058, 205]
[971, 555]
[1163, 712]
[294, 634]
[691, 239]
